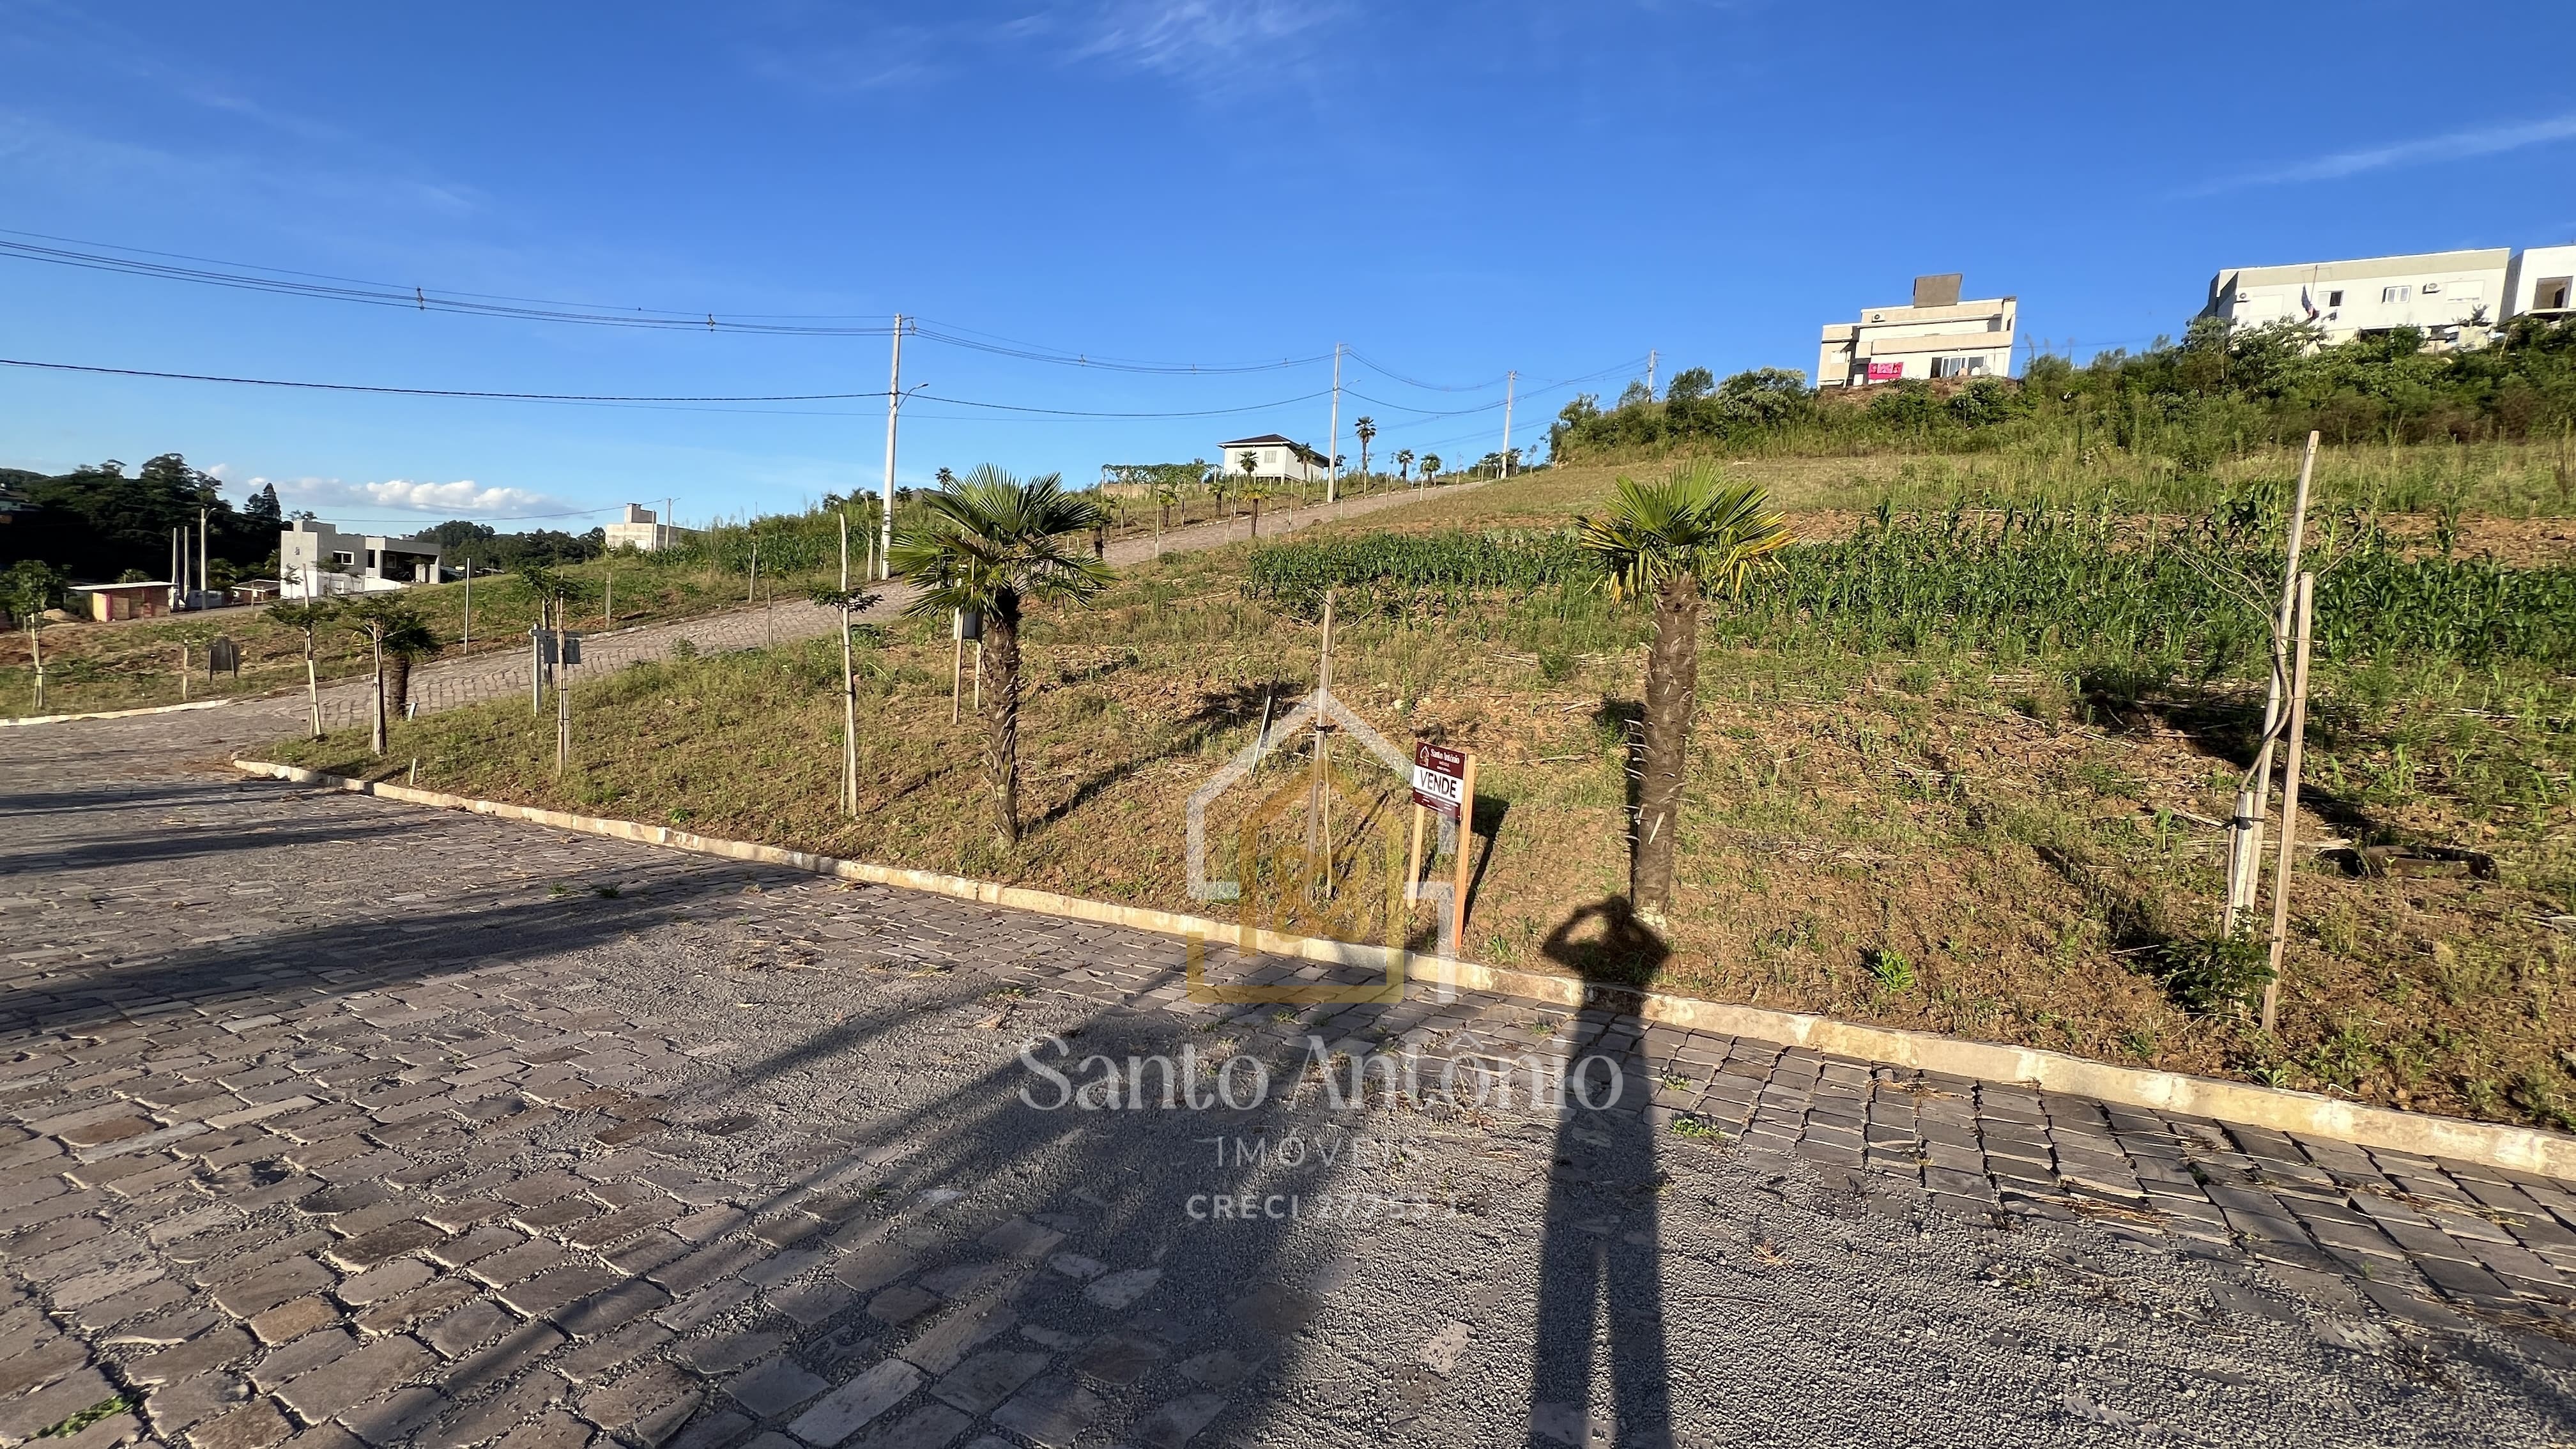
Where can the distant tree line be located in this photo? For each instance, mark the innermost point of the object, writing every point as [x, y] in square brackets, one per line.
[2220, 387]
[492, 550]
[98, 524]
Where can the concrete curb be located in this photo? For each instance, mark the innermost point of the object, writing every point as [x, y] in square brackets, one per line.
[37, 719]
[2450, 1138]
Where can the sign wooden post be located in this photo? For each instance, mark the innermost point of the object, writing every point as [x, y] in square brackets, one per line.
[2290, 798]
[1466, 849]
[1444, 784]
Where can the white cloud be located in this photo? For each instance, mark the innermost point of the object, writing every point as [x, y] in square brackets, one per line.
[1185, 36]
[2449, 146]
[464, 498]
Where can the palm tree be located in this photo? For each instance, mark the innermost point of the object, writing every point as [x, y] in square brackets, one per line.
[1366, 428]
[1673, 541]
[987, 545]
[1430, 468]
[1404, 465]
[1249, 463]
[393, 629]
[1253, 493]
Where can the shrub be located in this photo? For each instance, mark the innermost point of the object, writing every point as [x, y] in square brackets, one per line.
[2215, 973]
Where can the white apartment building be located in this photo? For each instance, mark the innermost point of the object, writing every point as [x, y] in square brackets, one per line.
[1273, 457]
[2454, 298]
[642, 529]
[1937, 336]
[320, 561]
[2541, 282]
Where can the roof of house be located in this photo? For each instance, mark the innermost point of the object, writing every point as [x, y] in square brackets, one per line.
[1264, 438]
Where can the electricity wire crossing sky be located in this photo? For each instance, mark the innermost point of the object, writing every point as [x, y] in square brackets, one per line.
[513, 263]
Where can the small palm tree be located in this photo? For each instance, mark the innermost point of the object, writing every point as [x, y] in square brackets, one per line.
[1253, 493]
[987, 545]
[1430, 468]
[1672, 542]
[1404, 465]
[1366, 428]
[393, 630]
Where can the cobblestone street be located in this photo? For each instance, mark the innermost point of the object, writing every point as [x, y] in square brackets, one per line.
[331, 1121]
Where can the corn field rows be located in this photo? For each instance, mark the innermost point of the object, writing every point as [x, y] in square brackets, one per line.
[2088, 581]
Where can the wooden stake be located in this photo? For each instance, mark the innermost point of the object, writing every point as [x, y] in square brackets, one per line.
[979, 676]
[2245, 858]
[183, 670]
[1466, 844]
[2290, 799]
[563, 729]
[1413, 857]
[849, 689]
[956, 672]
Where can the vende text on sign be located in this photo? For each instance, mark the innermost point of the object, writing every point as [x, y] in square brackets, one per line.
[1439, 779]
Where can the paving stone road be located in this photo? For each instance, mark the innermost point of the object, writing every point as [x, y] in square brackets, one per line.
[329, 1121]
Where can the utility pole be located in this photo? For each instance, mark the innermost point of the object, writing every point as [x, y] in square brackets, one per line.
[202, 574]
[1511, 381]
[894, 400]
[1650, 374]
[1333, 454]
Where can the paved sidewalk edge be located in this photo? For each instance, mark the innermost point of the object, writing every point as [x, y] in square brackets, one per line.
[2449, 1138]
[37, 719]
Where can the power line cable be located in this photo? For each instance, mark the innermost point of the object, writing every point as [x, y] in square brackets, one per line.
[478, 394]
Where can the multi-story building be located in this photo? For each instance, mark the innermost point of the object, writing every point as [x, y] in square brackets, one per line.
[2454, 298]
[320, 561]
[1937, 336]
[642, 528]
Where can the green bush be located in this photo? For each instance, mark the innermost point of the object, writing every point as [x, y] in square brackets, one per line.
[2216, 973]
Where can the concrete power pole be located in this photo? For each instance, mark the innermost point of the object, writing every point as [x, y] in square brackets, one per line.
[1650, 374]
[894, 399]
[1511, 381]
[202, 552]
[1333, 452]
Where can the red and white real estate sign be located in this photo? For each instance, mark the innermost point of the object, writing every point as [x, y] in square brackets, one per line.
[1886, 371]
[1439, 779]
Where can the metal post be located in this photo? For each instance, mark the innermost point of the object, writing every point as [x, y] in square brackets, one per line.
[1333, 451]
[894, 400]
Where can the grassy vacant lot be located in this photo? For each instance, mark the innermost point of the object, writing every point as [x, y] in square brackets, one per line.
[1998, 841]
[90, 666]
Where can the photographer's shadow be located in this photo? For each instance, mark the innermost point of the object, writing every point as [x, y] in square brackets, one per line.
[1600, 1296]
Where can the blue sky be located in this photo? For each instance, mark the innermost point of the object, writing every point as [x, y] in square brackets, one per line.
[1453, 190]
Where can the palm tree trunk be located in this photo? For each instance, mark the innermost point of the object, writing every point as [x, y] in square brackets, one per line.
[376, 734]
[312, 689]
[1672, 696]
[1002, 713]
[398, 685]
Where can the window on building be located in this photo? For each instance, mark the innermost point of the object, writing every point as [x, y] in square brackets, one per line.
[344, 558]
[1949, 366]
[2392, 294]
[371, 558]
[2550, 293]
[2334, 299]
